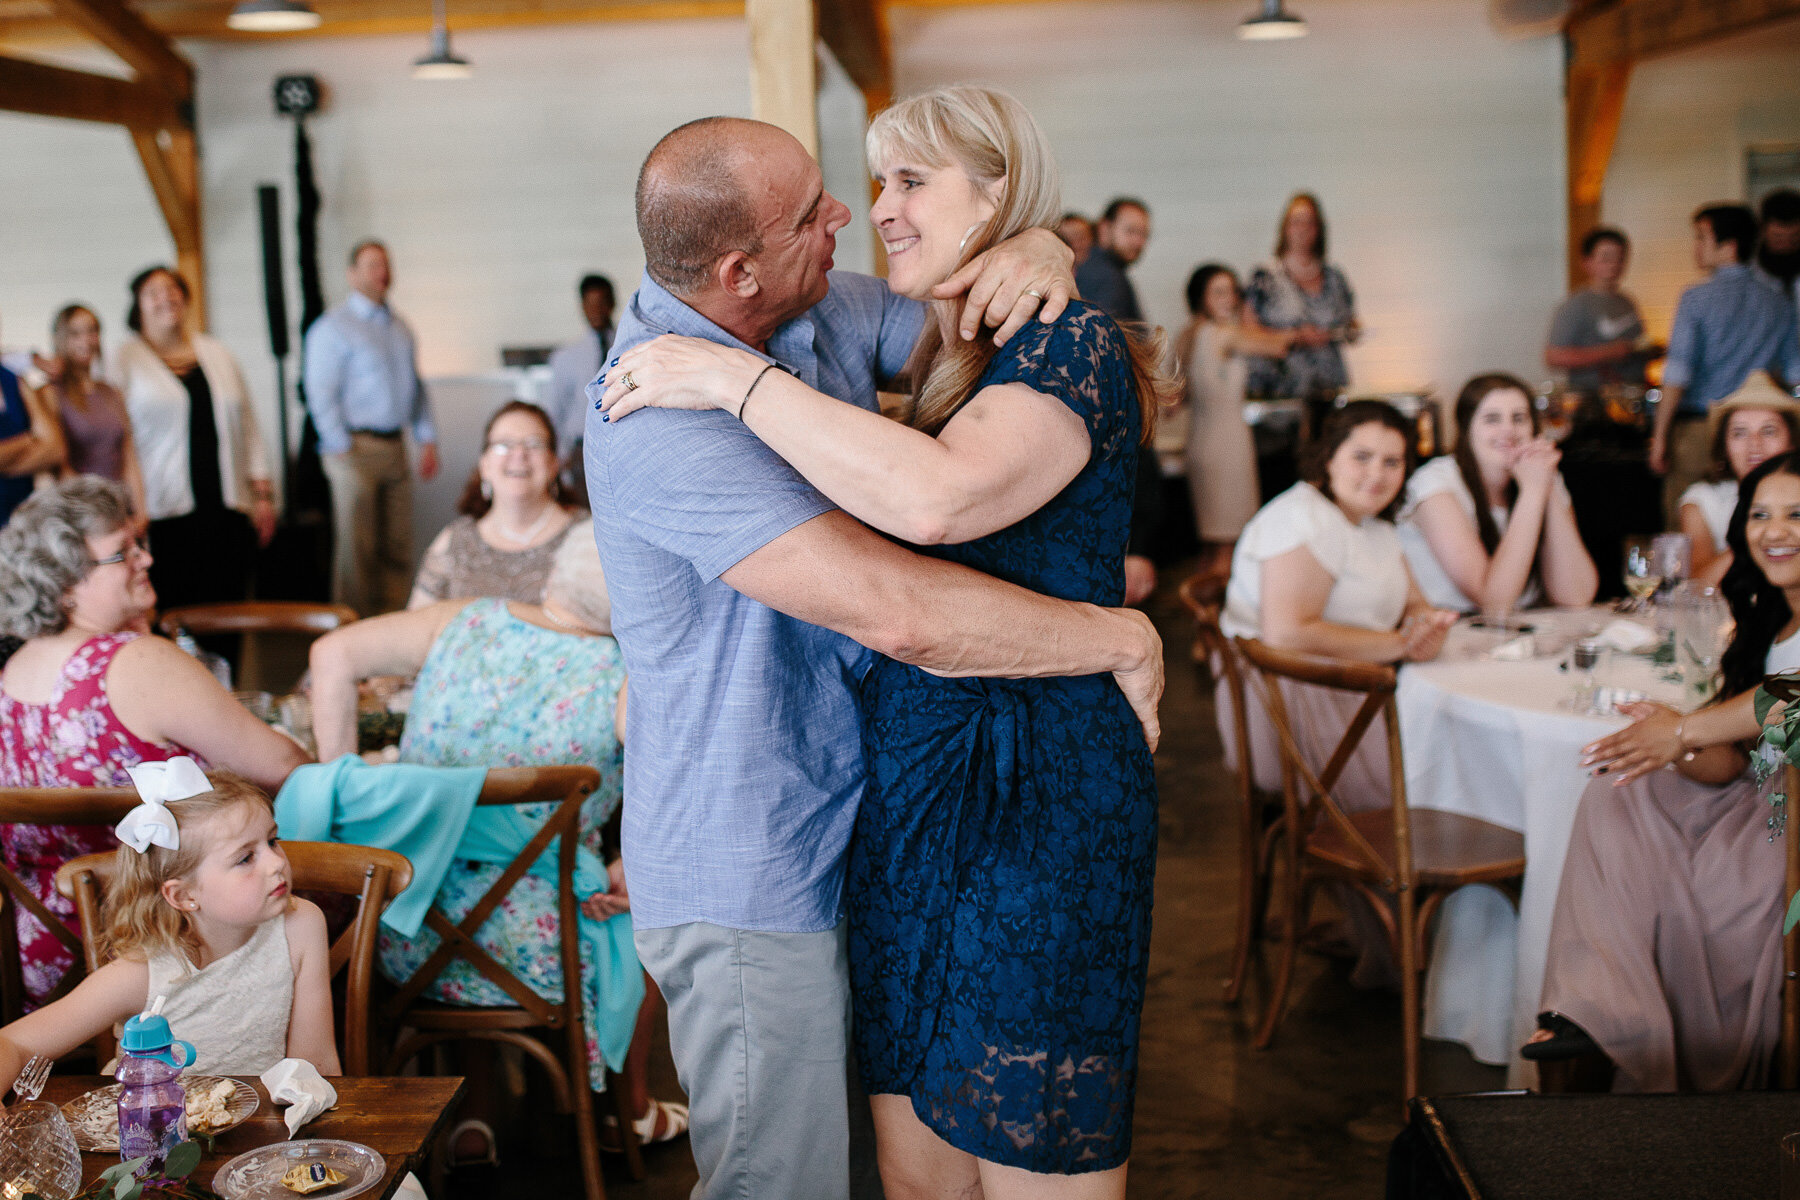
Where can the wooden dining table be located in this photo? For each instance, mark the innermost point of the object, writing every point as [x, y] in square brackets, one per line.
[397, 1116]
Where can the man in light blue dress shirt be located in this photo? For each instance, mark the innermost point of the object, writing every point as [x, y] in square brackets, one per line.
[1731, 325]
[574, 364]
[747, 605]
[364, 393]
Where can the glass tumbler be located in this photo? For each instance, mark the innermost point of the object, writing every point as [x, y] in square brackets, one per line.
[38, 1152]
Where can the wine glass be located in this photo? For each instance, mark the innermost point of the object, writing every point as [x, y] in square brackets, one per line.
[1642, 572]
[1702, 628]
[38, 1151]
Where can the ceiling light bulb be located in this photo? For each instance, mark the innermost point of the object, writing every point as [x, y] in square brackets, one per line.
[1272, 23]
[272, 16]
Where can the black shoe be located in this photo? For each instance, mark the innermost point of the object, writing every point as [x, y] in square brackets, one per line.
[1567, 1040]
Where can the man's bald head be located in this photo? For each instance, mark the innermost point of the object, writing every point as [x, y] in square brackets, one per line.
[694, 204]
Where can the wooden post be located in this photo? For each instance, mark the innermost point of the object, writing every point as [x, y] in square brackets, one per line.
[1594, 102]
[171, 160]
[784, 69]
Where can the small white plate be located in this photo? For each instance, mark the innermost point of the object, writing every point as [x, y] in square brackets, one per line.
[94, 1116]
[256, 1175]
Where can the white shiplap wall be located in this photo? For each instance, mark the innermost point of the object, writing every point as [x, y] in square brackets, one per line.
[1435, 144]
[1688, 120]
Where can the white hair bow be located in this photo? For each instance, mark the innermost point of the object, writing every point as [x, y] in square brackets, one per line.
[151, 822]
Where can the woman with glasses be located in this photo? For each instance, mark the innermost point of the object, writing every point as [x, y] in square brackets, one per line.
[89, 693]
[513, 517]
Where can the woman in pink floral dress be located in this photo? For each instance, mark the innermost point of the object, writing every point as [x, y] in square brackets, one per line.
[90, 693]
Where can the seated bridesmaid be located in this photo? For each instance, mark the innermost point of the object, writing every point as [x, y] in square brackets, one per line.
[1519, 546]
[1665, 946]
[1749, 427]
[1319, 570]
[90, 694]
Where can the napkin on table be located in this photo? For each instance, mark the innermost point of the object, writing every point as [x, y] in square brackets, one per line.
[1629, 637]
[298, 1084]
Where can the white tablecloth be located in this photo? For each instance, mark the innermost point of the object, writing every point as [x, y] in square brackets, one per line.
[1493, 740]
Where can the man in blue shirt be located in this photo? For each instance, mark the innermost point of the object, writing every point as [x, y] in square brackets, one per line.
[743, 601]
[1725, 328]
[364, 393]
[574, 363]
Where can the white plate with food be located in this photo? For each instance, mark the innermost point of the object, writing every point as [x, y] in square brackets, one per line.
[319, 1168]
[214, 1104]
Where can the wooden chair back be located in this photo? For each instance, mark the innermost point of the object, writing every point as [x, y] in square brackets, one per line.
[255, 616]
[1787, 1066]
[567, 787]
[1308, 794]
[46, 806]
[372, 875]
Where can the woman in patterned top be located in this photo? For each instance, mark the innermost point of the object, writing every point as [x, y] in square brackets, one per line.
[512, 517]
[1299, 290]
[999, 881]
[90, 693]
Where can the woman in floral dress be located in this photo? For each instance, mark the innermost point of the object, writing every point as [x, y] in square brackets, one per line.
[506, 684]
[89, 693]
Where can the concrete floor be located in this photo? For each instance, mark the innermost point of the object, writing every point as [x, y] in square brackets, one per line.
[1310, 1117]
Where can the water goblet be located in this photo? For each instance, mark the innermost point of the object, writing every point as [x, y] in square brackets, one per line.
[1642, 576]
[38, 1152]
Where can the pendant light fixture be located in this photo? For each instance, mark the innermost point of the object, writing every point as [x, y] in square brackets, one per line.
[440, 63]
[272, 16]
[1273, 22]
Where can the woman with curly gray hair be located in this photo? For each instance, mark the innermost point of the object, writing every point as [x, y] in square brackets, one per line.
[89, 693]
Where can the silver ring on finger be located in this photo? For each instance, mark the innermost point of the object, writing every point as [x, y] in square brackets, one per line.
[1032, 292]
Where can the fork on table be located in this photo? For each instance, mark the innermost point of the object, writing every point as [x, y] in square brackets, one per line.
[32, 1079]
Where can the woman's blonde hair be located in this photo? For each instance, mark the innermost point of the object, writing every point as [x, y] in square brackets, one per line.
[138, 919]
[993, 139]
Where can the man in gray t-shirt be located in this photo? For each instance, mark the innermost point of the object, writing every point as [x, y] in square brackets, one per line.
[1595, 333]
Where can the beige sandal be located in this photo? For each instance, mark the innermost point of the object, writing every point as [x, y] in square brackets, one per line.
[672, 1117]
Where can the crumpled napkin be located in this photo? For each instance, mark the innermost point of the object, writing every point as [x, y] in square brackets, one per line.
[1629, 637]
[298, 1084]
[1519, 649]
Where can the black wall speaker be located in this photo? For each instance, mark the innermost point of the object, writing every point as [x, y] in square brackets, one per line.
[274, 295]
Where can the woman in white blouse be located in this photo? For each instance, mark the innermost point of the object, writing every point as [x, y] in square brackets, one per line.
[1749, 427]
[1320, 570]
[1519, 546]
[205, 467]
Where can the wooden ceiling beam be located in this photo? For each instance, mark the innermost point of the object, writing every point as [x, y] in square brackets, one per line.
[144, 49]
[1628, 30]
[856, 31]
[47, 91]
[365, 18]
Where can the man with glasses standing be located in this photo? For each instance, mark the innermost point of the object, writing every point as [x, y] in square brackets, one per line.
[364, 393]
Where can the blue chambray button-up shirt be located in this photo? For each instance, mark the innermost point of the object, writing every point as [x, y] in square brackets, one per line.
[744, 764]
[361, 372]
[1734, 323]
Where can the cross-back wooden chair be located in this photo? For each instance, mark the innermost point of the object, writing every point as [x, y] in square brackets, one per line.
[433, 1023]
[46, 806]
[372, 875]
[1259, 810]
[1412, 858]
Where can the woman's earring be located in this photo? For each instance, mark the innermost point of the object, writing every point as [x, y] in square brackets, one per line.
[960, 246]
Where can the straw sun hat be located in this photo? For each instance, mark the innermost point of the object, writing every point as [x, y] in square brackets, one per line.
[1759, 392]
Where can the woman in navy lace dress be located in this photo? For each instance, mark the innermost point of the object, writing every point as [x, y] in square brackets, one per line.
[1000, 880]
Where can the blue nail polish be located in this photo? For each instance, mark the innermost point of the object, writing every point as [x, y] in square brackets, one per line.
[604, 417]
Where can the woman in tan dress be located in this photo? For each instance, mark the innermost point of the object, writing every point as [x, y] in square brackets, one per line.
[1221, 457]
[1665, 948]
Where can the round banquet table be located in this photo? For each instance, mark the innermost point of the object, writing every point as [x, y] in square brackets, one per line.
[1495, 740]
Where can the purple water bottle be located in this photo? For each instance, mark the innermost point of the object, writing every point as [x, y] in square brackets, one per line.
[152, 1106]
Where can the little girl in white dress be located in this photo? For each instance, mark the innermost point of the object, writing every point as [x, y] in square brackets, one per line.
[201, 912]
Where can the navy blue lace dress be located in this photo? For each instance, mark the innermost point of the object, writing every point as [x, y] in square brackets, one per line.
[1000, 877]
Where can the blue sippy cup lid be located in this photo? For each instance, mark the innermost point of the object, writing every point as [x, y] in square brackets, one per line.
[147, 1035]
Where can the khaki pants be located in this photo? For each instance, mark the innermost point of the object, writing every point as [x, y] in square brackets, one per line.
[371, 517]
[1690, 458]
